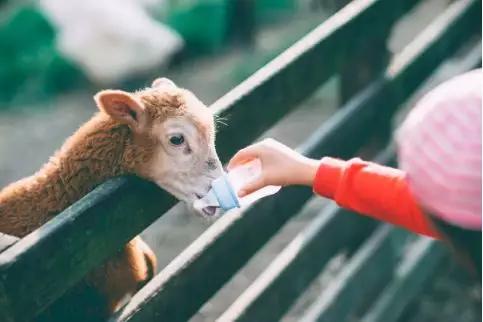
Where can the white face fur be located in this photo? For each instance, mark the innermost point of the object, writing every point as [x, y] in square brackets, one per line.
[186, 162]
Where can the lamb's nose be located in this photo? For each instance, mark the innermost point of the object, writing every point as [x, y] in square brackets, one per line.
[212, 164]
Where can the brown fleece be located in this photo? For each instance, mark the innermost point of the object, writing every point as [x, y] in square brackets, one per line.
[102, 148]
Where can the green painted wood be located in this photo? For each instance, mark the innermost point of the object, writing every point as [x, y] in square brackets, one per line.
[372, 55]
[194, 276]
[438, 41]
[65, 246]
[419, 264]
[299, 263]
[5, 305]
[359, 282]
[86, 232]
[5, 242]
[292, 271]
[242, 21]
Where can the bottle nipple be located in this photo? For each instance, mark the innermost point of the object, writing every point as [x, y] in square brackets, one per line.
[223, 192]
[221, 195]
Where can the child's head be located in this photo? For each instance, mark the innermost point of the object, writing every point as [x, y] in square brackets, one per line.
[439, 146]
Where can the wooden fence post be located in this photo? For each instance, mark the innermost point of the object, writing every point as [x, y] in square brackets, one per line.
[369, 63]
[242, 21]
[364, 66]
[361, 69]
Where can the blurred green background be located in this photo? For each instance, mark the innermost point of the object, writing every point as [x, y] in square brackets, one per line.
[33, 62]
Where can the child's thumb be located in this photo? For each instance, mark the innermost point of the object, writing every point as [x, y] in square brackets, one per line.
[250, 187]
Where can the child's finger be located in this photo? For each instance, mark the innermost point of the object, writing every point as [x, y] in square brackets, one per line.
[241, 157]
[251, 187]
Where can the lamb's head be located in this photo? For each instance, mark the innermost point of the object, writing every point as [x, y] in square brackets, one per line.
[171, 137]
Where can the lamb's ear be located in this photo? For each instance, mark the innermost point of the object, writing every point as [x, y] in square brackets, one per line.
[121, 106]
[163, 82]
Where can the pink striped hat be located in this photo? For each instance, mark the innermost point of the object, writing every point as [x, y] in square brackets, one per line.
[439, 147]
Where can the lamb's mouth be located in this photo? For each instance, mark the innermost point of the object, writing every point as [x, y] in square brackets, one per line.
[208, 211]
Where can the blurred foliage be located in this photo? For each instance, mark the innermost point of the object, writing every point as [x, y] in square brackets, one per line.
[267, 9]
[29, 57]
[32, 67]
[202, 24]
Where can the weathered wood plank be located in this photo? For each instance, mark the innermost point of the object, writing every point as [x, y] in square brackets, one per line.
[417, 267]
[194, 276]
[293, 270]
[5, 306]
[436, 42]
[361, 279]
[372, 56]
[61, 247]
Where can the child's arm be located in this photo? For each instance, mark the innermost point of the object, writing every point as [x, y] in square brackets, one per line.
[371, 189]
[376, 191]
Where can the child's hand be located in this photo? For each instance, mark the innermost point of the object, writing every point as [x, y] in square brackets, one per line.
[281, 166]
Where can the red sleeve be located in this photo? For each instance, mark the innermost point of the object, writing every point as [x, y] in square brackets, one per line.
[373, 190]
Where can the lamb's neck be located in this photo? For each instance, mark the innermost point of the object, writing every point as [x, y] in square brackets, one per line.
[91, 156]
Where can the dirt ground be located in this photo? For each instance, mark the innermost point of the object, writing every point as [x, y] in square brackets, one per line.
[30, 134]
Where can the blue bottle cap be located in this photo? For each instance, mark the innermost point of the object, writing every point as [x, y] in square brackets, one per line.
[225, 193]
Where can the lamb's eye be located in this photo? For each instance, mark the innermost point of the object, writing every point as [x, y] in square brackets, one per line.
[176, 140]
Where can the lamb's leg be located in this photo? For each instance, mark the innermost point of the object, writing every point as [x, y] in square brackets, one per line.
[125, 273]
[103, 290]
